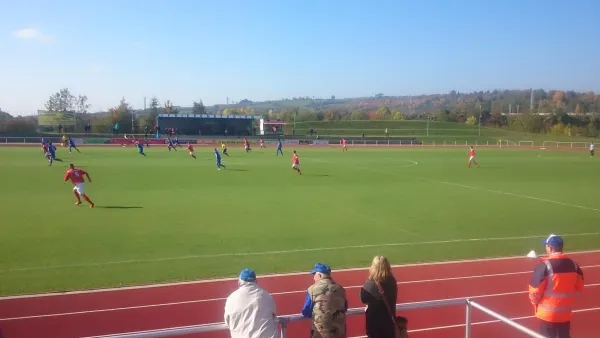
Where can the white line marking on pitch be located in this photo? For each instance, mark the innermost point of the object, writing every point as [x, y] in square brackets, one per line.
[279, 275]
[278, 252]
[510, 194]
[220, 299]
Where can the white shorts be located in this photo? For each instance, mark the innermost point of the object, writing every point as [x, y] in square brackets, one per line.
[47, 153]
[472, 158]
[80, 188]
[246, 147]
[295, 166]
[191, 153]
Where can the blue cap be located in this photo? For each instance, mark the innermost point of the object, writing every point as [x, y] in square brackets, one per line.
[248, 275]
[553, 241]
[321, 268]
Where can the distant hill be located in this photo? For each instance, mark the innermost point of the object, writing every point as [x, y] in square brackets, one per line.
[508, 101]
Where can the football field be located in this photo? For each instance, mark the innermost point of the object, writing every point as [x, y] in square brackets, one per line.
[169, 217]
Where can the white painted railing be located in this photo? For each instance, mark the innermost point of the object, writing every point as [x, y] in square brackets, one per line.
[285, 320]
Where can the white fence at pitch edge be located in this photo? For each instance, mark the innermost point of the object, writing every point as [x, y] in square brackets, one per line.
[368, 142]
[285, 320]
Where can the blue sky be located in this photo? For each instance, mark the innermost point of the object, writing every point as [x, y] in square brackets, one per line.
[182, 50]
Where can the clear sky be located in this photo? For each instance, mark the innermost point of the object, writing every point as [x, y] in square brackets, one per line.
[185, 50]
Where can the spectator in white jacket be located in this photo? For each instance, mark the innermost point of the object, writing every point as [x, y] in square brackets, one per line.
[250, 310]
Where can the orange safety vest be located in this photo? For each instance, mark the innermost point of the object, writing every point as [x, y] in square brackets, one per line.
[555, 283]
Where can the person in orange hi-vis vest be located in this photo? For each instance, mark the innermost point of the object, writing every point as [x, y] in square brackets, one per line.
[555, 283]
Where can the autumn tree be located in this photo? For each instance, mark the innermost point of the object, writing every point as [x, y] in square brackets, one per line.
[73, 108]
[62, 101]
[169, 108]
[397, 115]
[383, 112]
[198, 108]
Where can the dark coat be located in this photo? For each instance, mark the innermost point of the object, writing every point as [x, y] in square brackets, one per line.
[378, 320]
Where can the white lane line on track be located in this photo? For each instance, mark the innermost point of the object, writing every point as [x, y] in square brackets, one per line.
[510, 194]
[277, 252]
[434, 328]
[290, 274]
[62, 314]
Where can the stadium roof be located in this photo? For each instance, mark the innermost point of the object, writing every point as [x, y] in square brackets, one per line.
[210, 116]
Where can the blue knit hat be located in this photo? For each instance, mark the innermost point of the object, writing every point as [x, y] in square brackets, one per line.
[248, 275]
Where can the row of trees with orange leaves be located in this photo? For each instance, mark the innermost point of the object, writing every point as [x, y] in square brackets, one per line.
[550, 112]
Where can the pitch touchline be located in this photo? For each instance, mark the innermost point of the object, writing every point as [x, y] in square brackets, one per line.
[221, 299]
[277, 252]
[511, 194]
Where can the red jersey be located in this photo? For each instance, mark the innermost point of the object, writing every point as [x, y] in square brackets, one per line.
[45, 148]
[261, 140]
[190, 148]
[344, 141]
[295, 159]
[472, 152]
[246, 142]
[75, 175]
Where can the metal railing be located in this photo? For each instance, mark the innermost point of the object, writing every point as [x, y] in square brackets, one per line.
[285, 320]
[352, 142]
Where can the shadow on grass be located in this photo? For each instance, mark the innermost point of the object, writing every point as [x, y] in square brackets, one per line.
[117, 207]
[237, 169]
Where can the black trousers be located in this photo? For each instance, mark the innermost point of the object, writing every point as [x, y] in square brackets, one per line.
[555, 330]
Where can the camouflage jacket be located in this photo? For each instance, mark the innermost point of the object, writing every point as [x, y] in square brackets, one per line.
[329, 309]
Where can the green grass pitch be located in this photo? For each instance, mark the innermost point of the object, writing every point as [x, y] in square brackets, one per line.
[168, 217]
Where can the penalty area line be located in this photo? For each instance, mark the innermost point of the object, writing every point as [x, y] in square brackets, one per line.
[510, 194]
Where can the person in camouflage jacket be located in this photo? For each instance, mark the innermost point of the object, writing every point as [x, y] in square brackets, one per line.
[326, 304]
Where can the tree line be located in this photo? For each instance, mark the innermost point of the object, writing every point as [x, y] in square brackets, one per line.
[550, 112]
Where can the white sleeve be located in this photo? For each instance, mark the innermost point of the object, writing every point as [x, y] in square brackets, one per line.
[226, 314]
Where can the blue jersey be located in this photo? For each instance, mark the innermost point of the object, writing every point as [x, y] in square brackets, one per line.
[140, 146]
[170, 143]
[52, 149]
[217, 156]
[279, 145]
[71, 142]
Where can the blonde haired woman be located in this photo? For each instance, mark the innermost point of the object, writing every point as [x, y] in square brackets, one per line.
[381, 283]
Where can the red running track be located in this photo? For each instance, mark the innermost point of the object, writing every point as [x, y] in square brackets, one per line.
[499, 284]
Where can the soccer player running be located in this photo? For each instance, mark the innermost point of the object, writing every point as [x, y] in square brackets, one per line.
[224, 148]
[279, 148]
[592, 149]
[140, 147]
[247, 145]
[218, 158]
[191, 150]
[72, 145]
[472, 157]
[344, 148]
[262, 143]
[177, 143]
[52, 152]
[77, 178]
[296, 163]
[170, 144]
